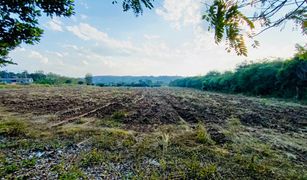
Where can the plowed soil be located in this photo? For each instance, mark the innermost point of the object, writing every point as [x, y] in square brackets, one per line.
[154, 106]
[81, 132]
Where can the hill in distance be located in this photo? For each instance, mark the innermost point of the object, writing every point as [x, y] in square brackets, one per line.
[109, 79]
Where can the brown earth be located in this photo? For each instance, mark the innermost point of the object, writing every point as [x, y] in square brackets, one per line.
[126, 130]
[145, 108]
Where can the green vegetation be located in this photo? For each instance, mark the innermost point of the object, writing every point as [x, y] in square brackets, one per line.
[19, 22]
[286, 79]
[13, 127]
[40, 77]
[202, 135]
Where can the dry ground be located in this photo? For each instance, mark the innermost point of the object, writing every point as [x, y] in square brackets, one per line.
[153, 133]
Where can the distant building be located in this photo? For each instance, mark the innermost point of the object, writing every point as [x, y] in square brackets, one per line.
[16, 80]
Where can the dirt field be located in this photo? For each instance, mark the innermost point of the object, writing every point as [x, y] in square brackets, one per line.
[118, 133]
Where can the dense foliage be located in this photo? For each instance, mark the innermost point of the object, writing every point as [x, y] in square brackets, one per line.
[278, 78]
[230, 19]
[19, 22]
[40, 77]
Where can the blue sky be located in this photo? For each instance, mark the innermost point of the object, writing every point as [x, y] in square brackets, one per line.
[169, 40]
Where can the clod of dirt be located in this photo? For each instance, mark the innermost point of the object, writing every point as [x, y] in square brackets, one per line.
[251, 118]
[218, 136]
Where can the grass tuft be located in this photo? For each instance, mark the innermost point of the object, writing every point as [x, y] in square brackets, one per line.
[202, 136]
[13, 127]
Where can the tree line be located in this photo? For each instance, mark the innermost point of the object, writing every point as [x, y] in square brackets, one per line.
[39, 77]
[279, 78]
[140, 83]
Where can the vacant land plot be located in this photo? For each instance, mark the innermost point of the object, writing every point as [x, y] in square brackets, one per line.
[154, 133]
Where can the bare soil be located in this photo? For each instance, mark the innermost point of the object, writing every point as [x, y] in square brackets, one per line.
[148, 133]
[154, 106]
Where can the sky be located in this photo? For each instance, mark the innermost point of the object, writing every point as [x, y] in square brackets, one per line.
[170, 39]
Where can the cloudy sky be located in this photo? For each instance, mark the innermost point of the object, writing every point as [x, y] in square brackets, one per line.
[168, 40]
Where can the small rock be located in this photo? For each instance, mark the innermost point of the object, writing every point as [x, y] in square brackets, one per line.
[154, 162]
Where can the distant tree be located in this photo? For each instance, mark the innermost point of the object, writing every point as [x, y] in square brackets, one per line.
[280, 78]
[293, 74]
[68, 81]
[80, 82]
[37, 76]
[89, 79]
[100, 84]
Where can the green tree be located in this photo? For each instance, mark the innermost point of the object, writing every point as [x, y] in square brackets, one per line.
[89, 79]
[19, 22]
[293, 74]
[68, 81]
[225, 17]
[280, 78]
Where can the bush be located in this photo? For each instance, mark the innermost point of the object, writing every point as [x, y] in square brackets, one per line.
[287, 79]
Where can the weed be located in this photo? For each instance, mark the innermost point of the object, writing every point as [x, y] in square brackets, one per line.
[94, 157]
[71, 175]
[27, 163]
[8, 168]
[81, 121]
[77, 132]
[13, 127]
[208, 171]
[202, 136]
[129, 141]
[196, 169]
[105, 141]
[165, 138]
[146, 147]
[119, 115]
[234, 124]
[253, 166]
[108, 122]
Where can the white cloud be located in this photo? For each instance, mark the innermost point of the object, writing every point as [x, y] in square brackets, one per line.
[84, 4]
[151, 37]
[83, 17]
[38, 56]
[55, 24]
[20, 49]
[153, 55]
[59, 54]
[183, 13]
[85, 62]
[87, 32]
